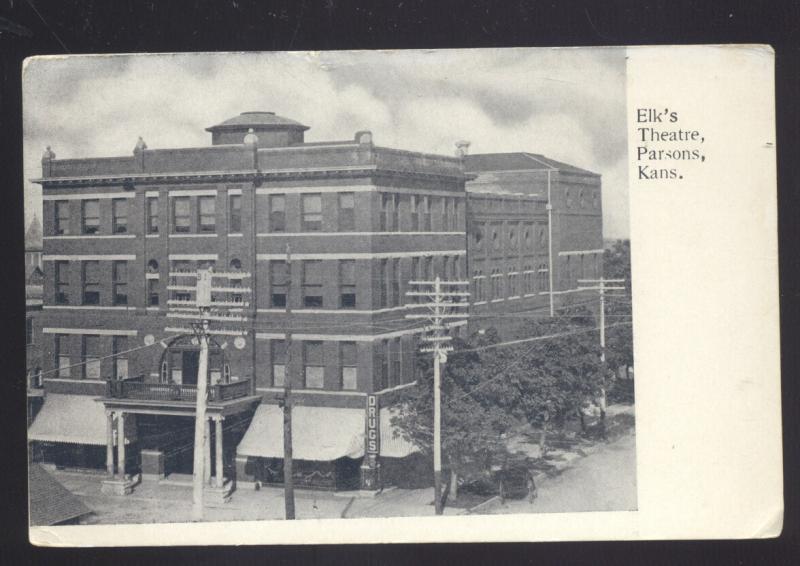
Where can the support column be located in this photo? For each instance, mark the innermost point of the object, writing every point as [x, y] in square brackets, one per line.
[207, 453]
[220, 476]
[121, 445]
[110, 443]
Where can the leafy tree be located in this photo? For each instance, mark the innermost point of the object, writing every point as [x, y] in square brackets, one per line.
[619, 339]
[472, 423]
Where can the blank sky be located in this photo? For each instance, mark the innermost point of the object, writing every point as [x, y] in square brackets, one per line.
[568, 104]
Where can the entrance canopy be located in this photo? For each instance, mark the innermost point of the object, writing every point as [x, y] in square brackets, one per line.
[74, 419]
[318, 433]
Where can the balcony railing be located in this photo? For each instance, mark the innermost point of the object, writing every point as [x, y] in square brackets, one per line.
[138, 388]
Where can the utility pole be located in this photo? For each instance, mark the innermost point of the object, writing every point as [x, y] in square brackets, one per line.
[601, 286]
[288, 478]
[440, 305]
[202, 310]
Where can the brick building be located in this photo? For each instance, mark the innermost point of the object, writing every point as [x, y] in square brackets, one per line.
[361, 221]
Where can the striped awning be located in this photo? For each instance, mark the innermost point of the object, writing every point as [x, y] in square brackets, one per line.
[318, 433]
[74, 419]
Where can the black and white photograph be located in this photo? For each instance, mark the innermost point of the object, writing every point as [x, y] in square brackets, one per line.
[328, 285]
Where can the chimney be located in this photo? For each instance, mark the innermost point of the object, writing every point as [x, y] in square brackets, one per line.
[47, 157]
[462, 148]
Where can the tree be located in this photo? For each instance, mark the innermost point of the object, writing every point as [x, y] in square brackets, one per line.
[619, 339]
[557, 375]
[473, 423]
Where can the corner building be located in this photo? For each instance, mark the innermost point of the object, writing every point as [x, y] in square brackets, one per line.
[360, 221]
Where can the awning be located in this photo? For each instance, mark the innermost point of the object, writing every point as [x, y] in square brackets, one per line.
[393, 445]
[75, 419]
[318, 433]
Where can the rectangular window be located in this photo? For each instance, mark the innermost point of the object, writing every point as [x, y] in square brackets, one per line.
[279, 279]
[384, 282]
[349, 357]
[396, 282]
[312, 213]
[395, 213]
[62, 217]
[119, 215]
[312, 283]
[314, 365]
[426, 214]
[120, 348]
[91, 216]
[28, 331]
[278, 355]
[415, 277]
[62, 282]
[181, 215]
[182, 266]
[152, 215]
[120, 275]
[386, 212]
[152, 292]
[91, 282]
[277, 213]
[445, 217]
[415, 199]
[347, 212]
[347, 284]
[62, 355]
[176, 366]
[207, 214]
[91, 357]
[383, 377]
[396, 377]
[235, 214]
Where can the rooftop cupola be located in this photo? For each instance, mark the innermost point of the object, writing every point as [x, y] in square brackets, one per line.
[270, 130]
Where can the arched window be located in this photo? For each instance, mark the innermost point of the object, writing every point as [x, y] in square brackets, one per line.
[582, 199]
[595, 199]
[236, 265]
[567, 198]
[152, 266]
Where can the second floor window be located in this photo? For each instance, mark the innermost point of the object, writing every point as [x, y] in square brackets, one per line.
[62, 355]
[120, 349]
[415, 205]
[235, 214]
[384, 283]
[347, 212]
[120, 275]
[119, 215]
[277, 213]
[91, 357]
[314, 365]
[347, 284]
[349, 367]
[312, 213]
[396, 282]
[91, 216]
[278, 355]
[181, 215]
[279, 279]
[312, 283]
[91, 282]
[62, 282]
[61, 217]
[207, 214]
[152, 215]
[152, 293]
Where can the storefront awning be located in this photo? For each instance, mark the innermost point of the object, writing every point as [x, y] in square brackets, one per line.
[75, 419]
[393, 445]
[318, 433]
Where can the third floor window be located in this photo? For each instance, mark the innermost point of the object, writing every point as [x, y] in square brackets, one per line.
[62, 217]
[235, 214]
[347, 212]
[152, 215]
[181, 215]
[91, 216]
[119, 215]
[207, 214]
[312, 213]
[91, 282]
[277, 213]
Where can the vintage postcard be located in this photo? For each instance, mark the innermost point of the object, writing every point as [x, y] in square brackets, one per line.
[402, 296]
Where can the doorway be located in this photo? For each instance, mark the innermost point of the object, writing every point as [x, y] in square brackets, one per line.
[190, 365]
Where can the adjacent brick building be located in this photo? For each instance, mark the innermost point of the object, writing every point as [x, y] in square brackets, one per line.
[360, 221]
